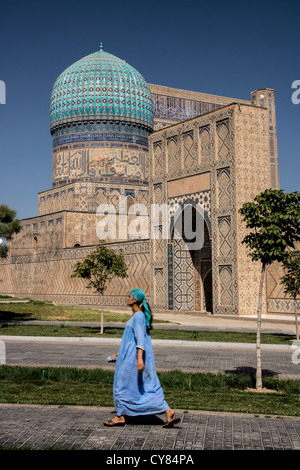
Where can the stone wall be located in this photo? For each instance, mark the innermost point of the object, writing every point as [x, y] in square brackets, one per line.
[47, 276]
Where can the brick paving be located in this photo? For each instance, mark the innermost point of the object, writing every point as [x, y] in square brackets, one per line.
[43, 427]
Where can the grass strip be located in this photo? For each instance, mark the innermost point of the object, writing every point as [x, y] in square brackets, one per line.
[174, 334]
[47, 311]
[198, 391]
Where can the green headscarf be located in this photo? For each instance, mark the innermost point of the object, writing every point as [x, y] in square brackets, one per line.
[140, 296]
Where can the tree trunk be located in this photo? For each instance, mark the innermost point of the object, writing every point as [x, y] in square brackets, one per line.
[101, 314]
[258, 333]
[296, 320]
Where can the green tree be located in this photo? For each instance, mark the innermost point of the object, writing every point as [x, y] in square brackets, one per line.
[291, 280]
[273, 219]
[99, 268]
[9, 225]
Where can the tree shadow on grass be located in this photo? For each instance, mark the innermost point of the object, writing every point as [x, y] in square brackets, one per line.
[251, 372]
[285, 337]
[12, 317]
[96, 330]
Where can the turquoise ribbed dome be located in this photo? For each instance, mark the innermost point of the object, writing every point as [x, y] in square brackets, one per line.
[101, 86]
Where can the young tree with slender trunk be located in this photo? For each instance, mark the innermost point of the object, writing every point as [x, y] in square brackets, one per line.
[273, 219]
[99, 268]
[291, 280]
[9, 225]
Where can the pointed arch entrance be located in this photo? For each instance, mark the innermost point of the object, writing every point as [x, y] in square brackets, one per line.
[190, 273]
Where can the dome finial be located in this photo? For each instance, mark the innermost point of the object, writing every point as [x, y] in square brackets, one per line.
[101, 46]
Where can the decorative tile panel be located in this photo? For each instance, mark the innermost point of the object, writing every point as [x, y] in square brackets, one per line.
[224, 188]
[225, 239]
[183, 277]
[158, 159]
[225, 285]
[223, 139]
[189, 150]
[173, 152]
[204, 134]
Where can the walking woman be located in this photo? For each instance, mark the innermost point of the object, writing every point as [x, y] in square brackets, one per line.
[137, 390]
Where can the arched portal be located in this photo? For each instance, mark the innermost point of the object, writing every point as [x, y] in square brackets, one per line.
[190, 272]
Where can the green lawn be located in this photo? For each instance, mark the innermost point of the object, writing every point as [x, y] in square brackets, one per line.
[183, 335]
[39, 310]
[93, 387]
[46, 311]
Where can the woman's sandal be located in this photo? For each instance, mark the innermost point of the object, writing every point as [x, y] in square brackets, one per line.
[170, 423]
[111, 422]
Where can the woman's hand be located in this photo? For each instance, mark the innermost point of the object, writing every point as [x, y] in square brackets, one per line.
[140, 362]
[140, 365]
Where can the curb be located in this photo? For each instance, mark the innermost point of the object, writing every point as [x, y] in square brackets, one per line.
[155, 342]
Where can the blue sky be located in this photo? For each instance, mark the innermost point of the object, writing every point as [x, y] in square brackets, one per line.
[225, 48]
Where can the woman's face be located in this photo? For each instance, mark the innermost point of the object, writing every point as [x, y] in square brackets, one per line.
[130, 300]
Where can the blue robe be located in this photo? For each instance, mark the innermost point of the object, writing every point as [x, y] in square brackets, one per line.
[137, 393]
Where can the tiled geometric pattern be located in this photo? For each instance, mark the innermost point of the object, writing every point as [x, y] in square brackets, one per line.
[158, 164]
[158, 285]
[251, 176]
[224, 194]
[48, 277]
[197, 273]
[176, 109]
[225, 287]
[189, 150]
[55, 201]
[278, 300]
[198, 265]
[158, 194]
[201, 198]
[102, 133]
[183, 277]
[87, 196]
[173, 151]
[224, 231]
[204, 135]
[223, 139]
[266, 99]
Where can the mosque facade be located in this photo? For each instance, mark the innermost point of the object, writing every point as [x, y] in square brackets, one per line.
[127, 144]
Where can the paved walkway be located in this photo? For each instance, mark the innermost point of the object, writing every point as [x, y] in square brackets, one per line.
[40, 427]
[204, 321]
[67, 427]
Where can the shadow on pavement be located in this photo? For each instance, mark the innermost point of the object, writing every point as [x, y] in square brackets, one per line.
[152, 420]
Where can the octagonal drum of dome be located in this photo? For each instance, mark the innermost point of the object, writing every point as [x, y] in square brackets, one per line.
[101, 115]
